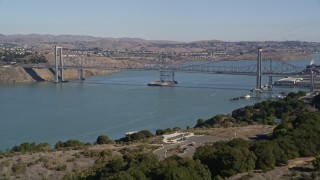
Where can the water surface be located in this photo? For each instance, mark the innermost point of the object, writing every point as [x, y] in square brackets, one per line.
[114, 104]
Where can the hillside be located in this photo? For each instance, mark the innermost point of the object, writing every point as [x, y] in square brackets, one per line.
[14, 75]
[17, 74]
[136, 44]
[59, 163]
[249, 149]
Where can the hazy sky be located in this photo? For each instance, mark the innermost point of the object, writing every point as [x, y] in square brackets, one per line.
[181, 20]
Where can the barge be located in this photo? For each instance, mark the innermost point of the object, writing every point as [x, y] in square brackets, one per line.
[162, 83]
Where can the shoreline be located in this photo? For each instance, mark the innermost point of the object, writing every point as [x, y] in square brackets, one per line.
[18, 74]
[62, 160]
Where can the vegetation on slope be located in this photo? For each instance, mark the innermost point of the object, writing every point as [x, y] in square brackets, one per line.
[260, 113]
[8, 57]
[143, 164]
[296, 136]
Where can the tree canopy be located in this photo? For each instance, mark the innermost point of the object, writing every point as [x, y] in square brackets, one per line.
[103, 139]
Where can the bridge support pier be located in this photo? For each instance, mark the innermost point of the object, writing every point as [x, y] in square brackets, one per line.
[58, 65]
[270, 81]
[259, 69]
[61, 66]
[311, 80]
[80, 74]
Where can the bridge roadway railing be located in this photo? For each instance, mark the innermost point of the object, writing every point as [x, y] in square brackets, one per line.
[278, 69]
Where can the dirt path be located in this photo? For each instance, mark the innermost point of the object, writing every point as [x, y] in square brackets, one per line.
[187, 146]
[246, 132]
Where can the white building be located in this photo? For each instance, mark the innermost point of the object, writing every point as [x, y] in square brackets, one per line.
[289, 81]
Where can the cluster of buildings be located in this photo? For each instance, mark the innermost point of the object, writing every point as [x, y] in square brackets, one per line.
[204, 49]
[243, 46]
[172, 50]
[146, 54]
[16, 48]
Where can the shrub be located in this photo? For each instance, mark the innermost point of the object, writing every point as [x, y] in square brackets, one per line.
[19, 168]
[71, 144]
[90, 153]
[316, 163]
[226, 158]
[165, 131]
[62, 168]
[31, 147]
[103, 139]
[144, 134]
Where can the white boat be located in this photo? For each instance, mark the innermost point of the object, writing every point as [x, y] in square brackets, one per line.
[247, 96]
[255, 89]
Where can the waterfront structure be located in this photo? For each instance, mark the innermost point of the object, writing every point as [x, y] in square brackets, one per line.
[233, 67]
[259, 69]
[58, 65]
[289, 81]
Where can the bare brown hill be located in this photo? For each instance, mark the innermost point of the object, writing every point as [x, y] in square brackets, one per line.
[33, 38]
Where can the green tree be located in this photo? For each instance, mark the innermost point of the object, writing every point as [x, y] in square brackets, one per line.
[226, 159]
[31, 147]
[164, 131]
[316, 163]
[265, 158]
[115, 165]
[38, 59]
[70, 144]
[8, 56]
[159, 132]
[103, 139]
[306, 133]
[200, 123]
[288, 146]
[236, 143]
[281, 130]
[141, 135]
[147, 162]
[125, 175]
[268, 155]
[182, 168]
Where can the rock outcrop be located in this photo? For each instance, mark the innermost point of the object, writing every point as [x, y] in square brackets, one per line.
[10, 74]
[16, 74]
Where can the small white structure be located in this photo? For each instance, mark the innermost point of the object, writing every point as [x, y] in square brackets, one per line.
[131, 132]
[289, 81]
[176, 137]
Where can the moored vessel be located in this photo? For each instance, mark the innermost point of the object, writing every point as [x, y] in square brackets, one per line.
[162, 83]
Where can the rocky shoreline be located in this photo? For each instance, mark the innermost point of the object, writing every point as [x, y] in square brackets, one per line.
[17, 74]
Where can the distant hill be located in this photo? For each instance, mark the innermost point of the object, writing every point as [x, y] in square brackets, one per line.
[29, 38]
[82, 41]
[47, 41]
[33, 38]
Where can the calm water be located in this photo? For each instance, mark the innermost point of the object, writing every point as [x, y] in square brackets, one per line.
[113, 105]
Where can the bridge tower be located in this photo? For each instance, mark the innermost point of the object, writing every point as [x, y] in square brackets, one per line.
[80, 74]
[57, 64]
[311, 79]
[259, 69]
[270, 77]
[166, 75]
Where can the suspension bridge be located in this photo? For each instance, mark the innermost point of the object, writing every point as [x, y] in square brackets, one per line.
[258, 68]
